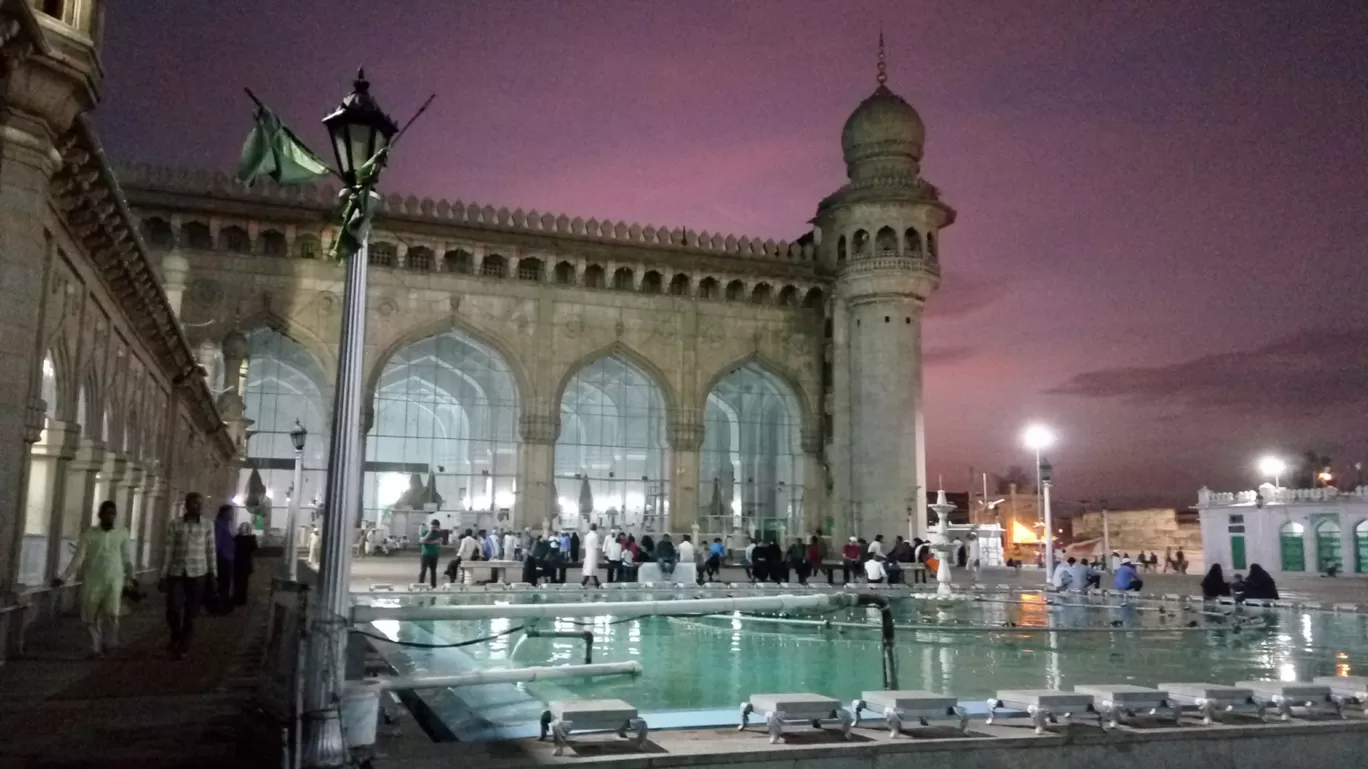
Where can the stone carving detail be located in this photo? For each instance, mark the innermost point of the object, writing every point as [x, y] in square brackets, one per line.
[386, 307]
[574, 326]
[711, 334]
[329, 303]
[206, 292]
[539, 428]
[686, 436]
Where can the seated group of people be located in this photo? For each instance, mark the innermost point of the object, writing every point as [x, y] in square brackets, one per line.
[1259, 584]
[1078, 576]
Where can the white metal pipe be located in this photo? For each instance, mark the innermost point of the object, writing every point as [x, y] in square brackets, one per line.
[509, 676]
[599, 608]
[982, 628]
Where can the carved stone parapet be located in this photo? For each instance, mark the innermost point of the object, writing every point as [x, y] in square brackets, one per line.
[686, 435]
[540, 428]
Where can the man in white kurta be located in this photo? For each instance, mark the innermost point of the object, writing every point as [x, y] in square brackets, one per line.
[591, 556]
[104, 562]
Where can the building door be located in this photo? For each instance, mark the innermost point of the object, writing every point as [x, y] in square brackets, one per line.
[1292, 547]
[1329, 547]
[1237, 551]
[1361, 547]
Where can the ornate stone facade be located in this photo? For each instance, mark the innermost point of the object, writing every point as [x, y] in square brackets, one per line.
[101, 396]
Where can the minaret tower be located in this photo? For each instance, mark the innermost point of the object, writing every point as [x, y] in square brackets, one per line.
[879, 234]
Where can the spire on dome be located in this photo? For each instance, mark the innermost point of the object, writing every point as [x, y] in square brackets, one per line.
[883, 66]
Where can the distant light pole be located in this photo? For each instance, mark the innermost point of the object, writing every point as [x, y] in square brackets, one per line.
[1038, 438]
[360, 131]
[297, 436]
[1271, 466]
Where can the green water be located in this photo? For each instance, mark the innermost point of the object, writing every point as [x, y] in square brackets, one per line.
[717, 662]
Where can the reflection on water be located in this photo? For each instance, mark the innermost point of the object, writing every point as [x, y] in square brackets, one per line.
[716, 662]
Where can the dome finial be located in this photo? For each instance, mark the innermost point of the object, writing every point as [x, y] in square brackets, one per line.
[883, 66]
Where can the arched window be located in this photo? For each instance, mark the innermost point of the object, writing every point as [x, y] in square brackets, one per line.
[886, 243]
[273, 243]
[622, 279]
[736, 291]
[761, 294]
[651, 283]
[308, 247]
[419, 259]
[494, 266]
[751, 469]
[457, 261]
[814, 299]
[196, 235]
[446, 415]
[611, 454]
[707, 288]
[679, 285]
[861, 243]
[1329, 547]
[564, 274]
[594, 276]
[283, 382]
[157, 232]
[788, 296]
[840, 249]
[529, 269]
[382, 255]
[931, 252]
[235, 239]
[914, 243]
[1291, 546]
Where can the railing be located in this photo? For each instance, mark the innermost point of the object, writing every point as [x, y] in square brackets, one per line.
[1270, 494]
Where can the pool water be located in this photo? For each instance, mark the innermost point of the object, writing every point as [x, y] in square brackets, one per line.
[966, 648]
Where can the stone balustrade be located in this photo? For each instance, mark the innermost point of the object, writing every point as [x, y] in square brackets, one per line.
[1274, 495]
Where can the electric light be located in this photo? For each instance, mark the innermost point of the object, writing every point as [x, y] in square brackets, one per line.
[1037, 437]
[1271, 465]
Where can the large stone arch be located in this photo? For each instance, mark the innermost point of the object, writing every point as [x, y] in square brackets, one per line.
[650, 368]
[322, 353]
[375, 368]
[807, 416]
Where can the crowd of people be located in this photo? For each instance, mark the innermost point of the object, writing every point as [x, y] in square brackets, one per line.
[1258, 585]
[205, 566]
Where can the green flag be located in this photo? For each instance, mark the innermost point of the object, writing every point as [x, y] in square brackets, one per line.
[356, 206]
[273, 151]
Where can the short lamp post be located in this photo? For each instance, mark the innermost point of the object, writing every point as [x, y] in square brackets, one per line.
[358, 129]
[1045, 472]
[297, 436]
[1038, 438]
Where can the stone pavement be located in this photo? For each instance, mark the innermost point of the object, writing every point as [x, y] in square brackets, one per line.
[139, 708]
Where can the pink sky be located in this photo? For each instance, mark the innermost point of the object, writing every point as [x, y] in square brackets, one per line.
[1162, 207]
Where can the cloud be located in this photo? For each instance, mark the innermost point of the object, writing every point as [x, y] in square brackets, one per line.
[960, 295]
[1306, 372]
[946, 355]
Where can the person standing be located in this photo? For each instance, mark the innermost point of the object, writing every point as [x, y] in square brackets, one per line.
[510, 546]
[244, 552]
[224, 552]
[591, 555]
[188, 562]
[686, 553]
[429, 551]
[467, 551]
[104, 563]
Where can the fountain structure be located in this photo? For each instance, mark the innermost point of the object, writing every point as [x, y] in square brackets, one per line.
[941, 544]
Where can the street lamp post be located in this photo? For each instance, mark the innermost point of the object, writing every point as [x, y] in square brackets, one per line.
[1274, 467]
[297, 436]
[359, 131]
[1038, 438]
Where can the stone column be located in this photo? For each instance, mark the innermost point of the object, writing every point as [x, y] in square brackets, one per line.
[815, 511]
[175, 270]
[126, 495]
[535, 505]
[63, 443]
[686, 443]
[150, 523]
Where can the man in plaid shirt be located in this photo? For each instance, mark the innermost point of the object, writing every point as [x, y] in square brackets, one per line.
[187, 564]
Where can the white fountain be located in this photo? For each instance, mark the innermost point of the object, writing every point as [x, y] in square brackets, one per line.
[941, 545]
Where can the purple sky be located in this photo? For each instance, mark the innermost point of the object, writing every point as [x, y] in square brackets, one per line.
[1163, 206]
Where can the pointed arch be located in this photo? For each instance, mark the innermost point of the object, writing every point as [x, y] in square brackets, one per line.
[807, 406]
[376, 367]
[323, 354]
[621, 350]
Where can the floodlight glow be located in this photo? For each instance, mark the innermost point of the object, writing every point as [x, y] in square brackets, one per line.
[1272, 466]
[1037, 437]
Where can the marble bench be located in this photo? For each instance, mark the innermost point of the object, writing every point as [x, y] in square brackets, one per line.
[909, 703]
[1285, 695]
[781, 709]
[561, 716]
[1210, 699]
[1347, 688]
[1117, 701]
[1042, 705]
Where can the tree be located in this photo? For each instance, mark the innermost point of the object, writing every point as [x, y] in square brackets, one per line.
[1014, 475]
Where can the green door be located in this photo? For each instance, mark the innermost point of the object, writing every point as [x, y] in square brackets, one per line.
[1293, 553]
[1237, 552]
[1361, 552]
[1329, 551]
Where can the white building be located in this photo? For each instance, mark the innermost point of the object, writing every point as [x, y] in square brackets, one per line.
[1286, 531]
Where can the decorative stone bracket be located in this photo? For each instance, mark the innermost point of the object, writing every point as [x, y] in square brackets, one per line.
[539, 428]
